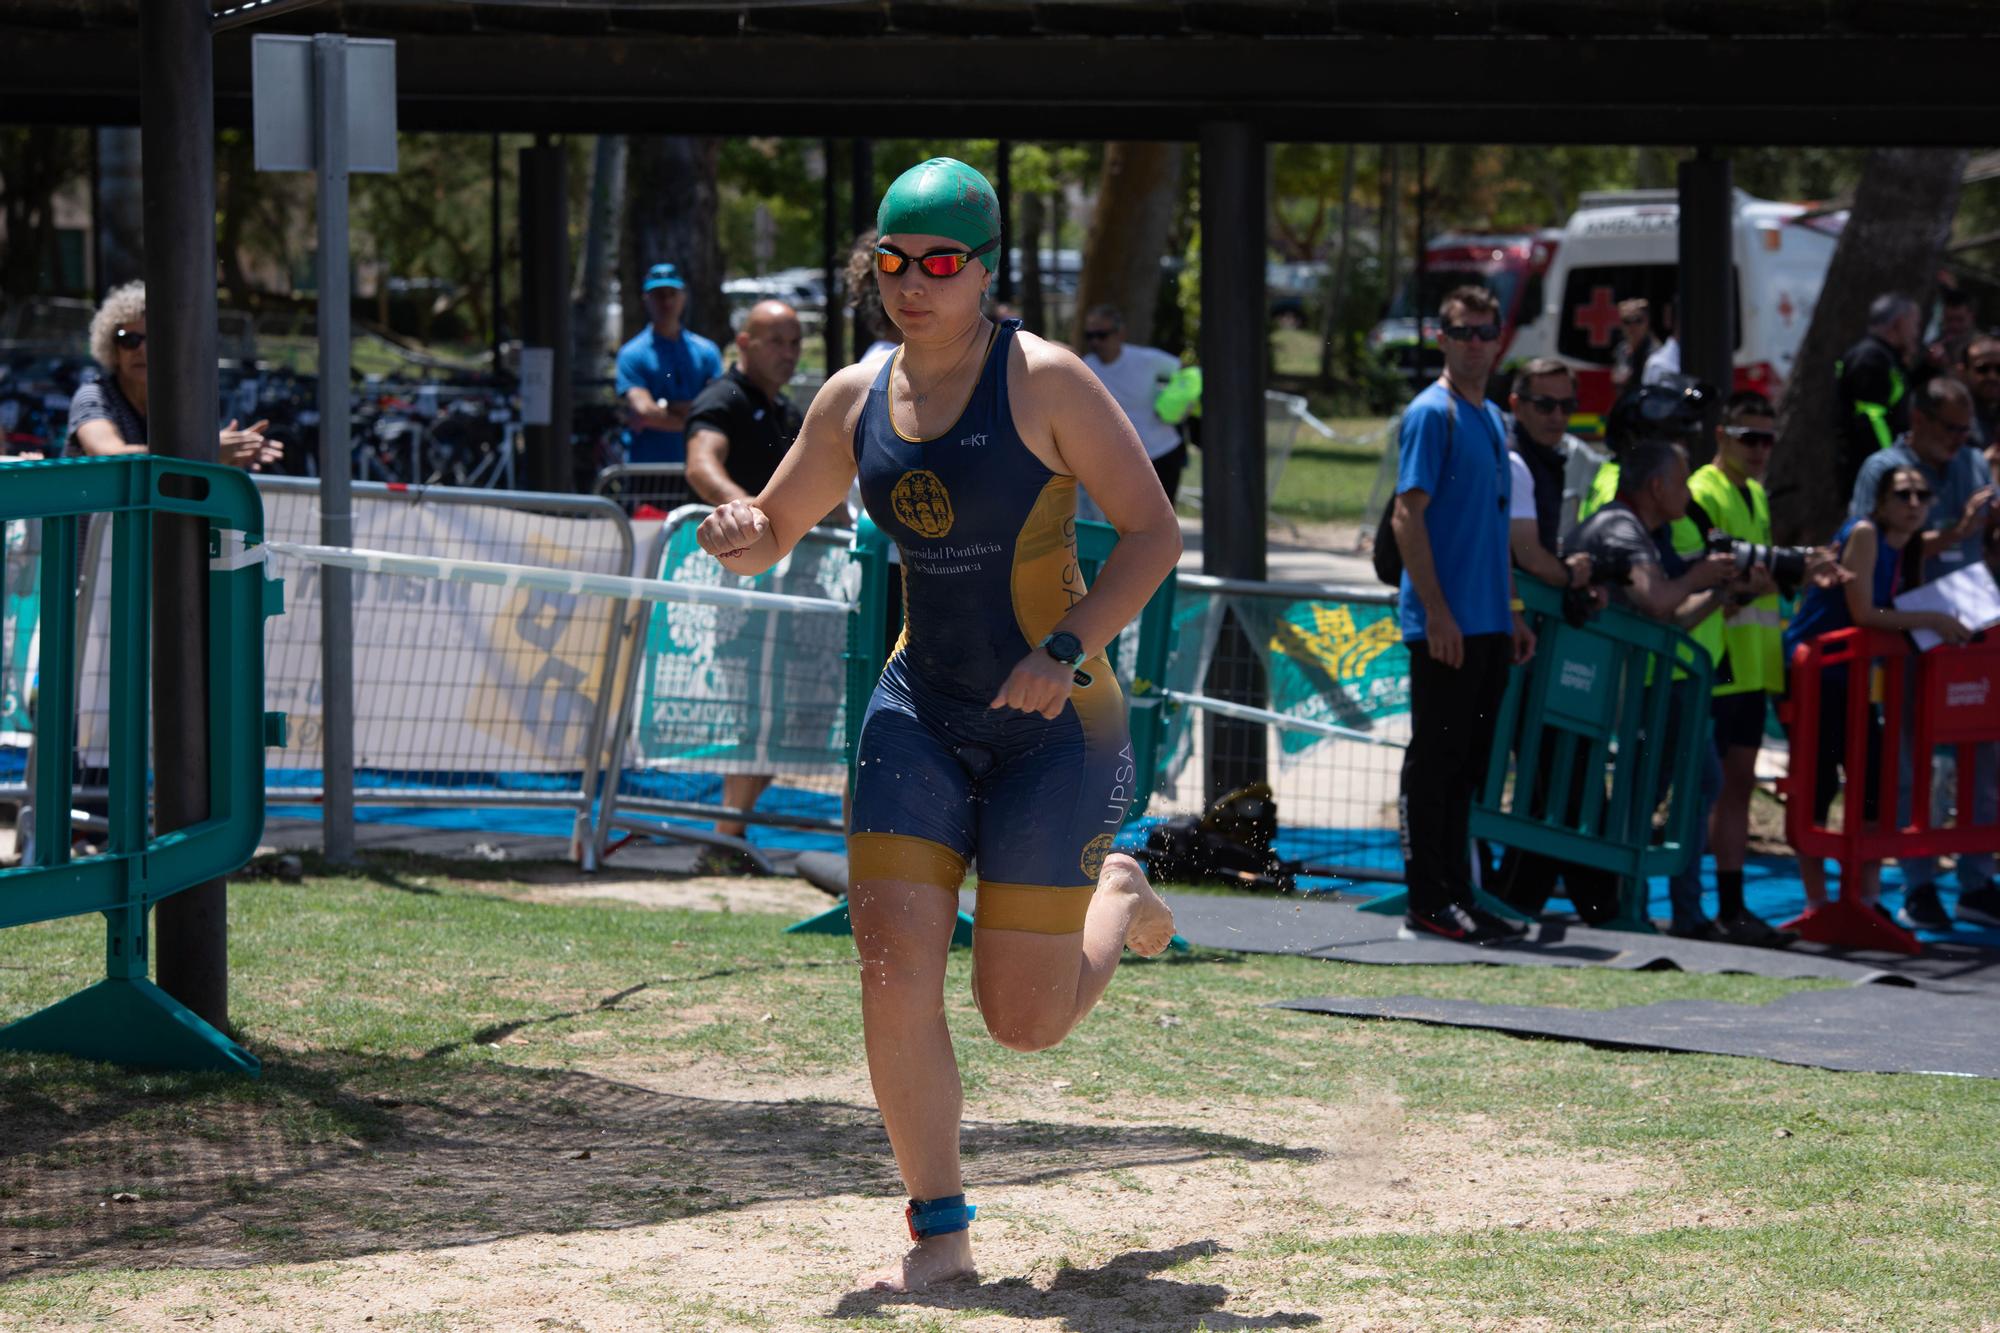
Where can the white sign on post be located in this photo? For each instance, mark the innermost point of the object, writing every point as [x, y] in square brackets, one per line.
[281, 104]
[538, 385]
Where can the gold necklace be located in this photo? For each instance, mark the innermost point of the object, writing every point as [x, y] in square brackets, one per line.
[920, 397]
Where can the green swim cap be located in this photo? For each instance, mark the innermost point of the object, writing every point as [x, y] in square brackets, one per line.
[942, 197]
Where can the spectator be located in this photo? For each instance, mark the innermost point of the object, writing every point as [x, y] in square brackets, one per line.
[1136, 377]
[1459, 619]
[1728, 496]
[1652, 494]
[1544, 396]
[1663, 364]
[1883, 550]
[1955, 329]
[1629, 357]
[661, 370]
[107, 415]
[1874, 385]
[1961, 515]
[1979, 367]
[737, 430]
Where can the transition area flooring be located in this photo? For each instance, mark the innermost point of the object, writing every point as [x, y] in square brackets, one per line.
[1863, 1029]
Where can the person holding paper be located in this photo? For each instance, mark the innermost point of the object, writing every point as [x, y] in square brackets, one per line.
[1884, 552]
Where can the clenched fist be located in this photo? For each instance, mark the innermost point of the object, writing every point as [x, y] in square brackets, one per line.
[732, 529]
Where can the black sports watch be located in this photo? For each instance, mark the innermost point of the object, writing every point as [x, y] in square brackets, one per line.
[1067, 649]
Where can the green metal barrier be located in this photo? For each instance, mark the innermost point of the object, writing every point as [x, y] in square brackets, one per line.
[1581, 752]
[865, 659]
[126, 1019]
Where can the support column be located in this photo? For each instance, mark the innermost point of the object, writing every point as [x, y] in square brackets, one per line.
[832, 322]
[1232, 426]
[545, 308]
[1003, 188]
[861, 201]
[177, 117]
[1705, 312]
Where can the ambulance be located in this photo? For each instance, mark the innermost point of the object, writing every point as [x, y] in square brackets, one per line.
[1510, 265]
[1625, 244]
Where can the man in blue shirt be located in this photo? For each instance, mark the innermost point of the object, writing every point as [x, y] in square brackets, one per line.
[661, 371]
[1962, 510]
[1459, 619]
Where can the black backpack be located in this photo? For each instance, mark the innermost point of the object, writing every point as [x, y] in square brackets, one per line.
[1388, 556]
[1228, 844]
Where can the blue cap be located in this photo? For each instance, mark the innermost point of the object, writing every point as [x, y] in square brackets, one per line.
[663, 275]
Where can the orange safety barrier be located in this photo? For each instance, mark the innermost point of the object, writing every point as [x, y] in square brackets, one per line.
[1945, 697]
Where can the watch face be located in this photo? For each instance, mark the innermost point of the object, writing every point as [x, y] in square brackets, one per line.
[1065, 648]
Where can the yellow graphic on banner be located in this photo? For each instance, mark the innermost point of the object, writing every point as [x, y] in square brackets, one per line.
[922, 504]
[1335, 643]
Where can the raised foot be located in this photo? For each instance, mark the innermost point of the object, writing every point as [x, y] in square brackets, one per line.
[1151, 929]
[932, 1261]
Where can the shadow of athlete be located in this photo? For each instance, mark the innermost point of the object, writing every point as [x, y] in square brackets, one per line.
[1123, 1293]
[996, 735]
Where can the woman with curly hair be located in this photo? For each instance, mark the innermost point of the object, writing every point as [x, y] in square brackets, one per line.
[107, 417]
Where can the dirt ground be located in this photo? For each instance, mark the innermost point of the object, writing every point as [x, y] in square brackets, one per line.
[526, 1199]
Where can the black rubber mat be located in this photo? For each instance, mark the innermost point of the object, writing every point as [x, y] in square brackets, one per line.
[1864, 1029]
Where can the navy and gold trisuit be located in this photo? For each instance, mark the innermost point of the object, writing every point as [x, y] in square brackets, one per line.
[988, 540]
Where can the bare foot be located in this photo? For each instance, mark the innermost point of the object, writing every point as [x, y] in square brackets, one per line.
[1151, 928]
[931, 1261]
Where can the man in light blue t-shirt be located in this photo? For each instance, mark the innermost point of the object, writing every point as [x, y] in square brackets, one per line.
[1459, 619]
[661, 371]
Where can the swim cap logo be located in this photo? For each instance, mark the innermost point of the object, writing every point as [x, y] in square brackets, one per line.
[922, 504]
[1094, 853]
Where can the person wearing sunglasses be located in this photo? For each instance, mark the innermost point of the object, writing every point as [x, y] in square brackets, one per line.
[662, 370]
[996, 736]
[1872, 380]
[1979, 367]
[1137, 375]
[1636, 345]
[107, 415]
[1883, 551]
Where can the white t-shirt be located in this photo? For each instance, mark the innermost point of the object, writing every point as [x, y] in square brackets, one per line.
[1665, 361]
[1521, 504]
[1135, 380]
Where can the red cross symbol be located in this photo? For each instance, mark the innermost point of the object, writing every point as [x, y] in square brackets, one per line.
[1785, 307]
[1599, 318]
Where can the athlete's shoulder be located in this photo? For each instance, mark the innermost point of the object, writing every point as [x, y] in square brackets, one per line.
[1048, 365]
[845, 390]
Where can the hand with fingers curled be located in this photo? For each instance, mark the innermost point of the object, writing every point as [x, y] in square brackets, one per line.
[734, 527]
[1037, 684]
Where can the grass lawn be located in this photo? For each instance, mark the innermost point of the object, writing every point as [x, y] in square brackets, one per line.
[1326, 481]
[487, 1106]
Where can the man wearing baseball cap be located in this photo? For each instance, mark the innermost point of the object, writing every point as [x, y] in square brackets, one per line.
[660, 372]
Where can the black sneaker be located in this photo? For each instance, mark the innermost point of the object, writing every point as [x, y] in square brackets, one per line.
[1450, 922]
[1750, 929]
[1506, 926]
[1701, 928]
[1980, 906]
[1921, 910]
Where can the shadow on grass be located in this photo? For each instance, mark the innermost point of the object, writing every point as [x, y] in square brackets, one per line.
[1123, 1293]
[333, 1155]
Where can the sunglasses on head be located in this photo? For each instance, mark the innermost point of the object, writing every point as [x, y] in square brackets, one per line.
[1542, 402]
[1465, 333]
[1912, 495]
[130, 339]
[1756, 439]
[937, 263]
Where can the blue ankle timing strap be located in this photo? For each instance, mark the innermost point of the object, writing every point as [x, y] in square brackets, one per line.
[938, 1217]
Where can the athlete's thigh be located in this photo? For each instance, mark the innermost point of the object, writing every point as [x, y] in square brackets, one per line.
[912, 813]
[1024, 979]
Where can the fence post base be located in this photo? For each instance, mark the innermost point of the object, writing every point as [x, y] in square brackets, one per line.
[131, 1022]
[833, 921]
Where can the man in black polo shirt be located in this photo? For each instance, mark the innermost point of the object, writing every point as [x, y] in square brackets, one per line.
[738, 429]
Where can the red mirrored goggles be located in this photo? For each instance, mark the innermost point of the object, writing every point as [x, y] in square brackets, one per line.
[937, 263]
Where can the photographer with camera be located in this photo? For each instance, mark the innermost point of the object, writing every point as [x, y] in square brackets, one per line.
[1628, 539]
[1729, 506]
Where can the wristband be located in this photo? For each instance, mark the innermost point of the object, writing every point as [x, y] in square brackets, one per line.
[1517, 605]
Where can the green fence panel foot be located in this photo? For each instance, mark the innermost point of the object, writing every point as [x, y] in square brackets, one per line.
[833, 921]
[1179, 945]
[129, 1022]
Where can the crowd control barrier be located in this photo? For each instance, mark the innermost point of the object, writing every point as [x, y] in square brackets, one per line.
[465, 695]
[1945, 699]
[636, 487]
[1607, 719]
[125, 1018]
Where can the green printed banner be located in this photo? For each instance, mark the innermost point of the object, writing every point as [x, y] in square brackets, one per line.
[734, 690]
[1340, 663]
[20, 628]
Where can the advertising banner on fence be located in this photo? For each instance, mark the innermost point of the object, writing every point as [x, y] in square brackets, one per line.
[20, 628]
[729, 690]
[1341, 663]
[450, 678]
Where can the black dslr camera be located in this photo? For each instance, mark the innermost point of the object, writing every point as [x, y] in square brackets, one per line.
[1608, 569]
[1786, 563]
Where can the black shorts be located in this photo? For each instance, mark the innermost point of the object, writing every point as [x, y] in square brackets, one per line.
[1739, 719]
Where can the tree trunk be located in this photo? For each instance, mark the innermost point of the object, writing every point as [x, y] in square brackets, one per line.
[1128, 235]
[1336, 295]
[673, 205]
[600, 254]
[1030, 244]
[1893, 241]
